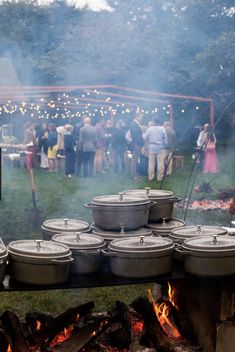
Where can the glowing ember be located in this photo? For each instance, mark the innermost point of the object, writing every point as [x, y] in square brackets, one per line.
[9, 348]
[65, 335]
[162, 312]
[38, 326]
[138, 327]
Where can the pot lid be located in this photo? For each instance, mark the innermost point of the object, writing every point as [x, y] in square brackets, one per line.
[80, 240]
[166, 225]
[212, 243]
[38, 248]
[112, 235]
[153, 194]
[141, 244]
[65, 225]
[121, 199]
[195, 231]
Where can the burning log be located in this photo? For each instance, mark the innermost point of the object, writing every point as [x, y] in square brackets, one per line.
[80, 338]
[55, 326]
[13, 328]
[154, 334]
[37, 321]
[121, 336]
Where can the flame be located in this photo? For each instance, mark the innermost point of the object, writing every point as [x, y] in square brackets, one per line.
[38, 325]
[65, 335]
[171, 296]
[9, 348]
[162, 312]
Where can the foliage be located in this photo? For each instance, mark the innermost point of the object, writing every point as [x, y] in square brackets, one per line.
[166, 45]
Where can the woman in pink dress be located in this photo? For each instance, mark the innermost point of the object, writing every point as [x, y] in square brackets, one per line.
[210, 157]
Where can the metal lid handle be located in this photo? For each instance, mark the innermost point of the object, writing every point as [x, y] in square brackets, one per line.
[66, 221]
[38, 243]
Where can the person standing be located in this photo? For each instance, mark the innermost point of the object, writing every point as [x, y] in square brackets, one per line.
[210, 164]
[170, 147]
[87, 144]
[118, 143]
[69, 144]
[156, 140]
[201, 143]
[52, 147]
[101, 145]
[137, 142]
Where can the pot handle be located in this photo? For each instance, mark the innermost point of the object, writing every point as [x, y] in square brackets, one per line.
[62, 261]
[1, 241]
[88, 251]
[89, 205]
[181, 250]
[108, 253]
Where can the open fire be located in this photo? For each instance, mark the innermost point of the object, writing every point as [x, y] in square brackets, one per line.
[163, 313]
[148, 324]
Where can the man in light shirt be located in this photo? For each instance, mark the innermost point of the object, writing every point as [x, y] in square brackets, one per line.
[156, 139]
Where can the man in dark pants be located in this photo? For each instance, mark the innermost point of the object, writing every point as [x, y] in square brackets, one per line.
[137, 144]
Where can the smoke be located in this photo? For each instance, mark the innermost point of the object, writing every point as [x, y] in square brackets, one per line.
[92, 5]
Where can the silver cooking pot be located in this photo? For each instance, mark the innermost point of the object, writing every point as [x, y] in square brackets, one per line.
[85, 249]
[209, 255]
[53, 226]
[109, 236]
[179, 235]
[140, 257]
[38, 262]
[165, 227]
[111, 211]
[163, 202]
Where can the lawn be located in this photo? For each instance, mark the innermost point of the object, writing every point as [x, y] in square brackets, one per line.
[58, 197]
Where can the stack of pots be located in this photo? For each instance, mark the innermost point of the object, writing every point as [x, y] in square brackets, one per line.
[38, 262]
[160, 219]
[131, 249]
[52, 227]
[179, 235]
[211, 256]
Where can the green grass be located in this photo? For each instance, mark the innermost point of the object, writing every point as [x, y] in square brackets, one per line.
[58, 197]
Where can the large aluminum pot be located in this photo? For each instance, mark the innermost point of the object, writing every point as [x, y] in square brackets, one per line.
[3, 260]
[179, 235]
[38, 262]
[165, 227]
[109, 236]
[85, 249]
[209, 255]
[111, 211]
[140, 257]
[53, 226]
[163, 202]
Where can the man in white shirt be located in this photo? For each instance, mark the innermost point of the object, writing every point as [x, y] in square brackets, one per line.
[156, 140]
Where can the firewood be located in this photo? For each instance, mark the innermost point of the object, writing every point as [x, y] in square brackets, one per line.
[122, 335]
[82, 337]
[59, 323]
[154, 334]
[12, 326]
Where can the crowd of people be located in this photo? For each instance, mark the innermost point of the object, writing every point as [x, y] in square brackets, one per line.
[87, 149]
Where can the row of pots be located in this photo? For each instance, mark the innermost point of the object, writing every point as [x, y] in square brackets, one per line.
[49, 262]
[132, 208]
[177, 234]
